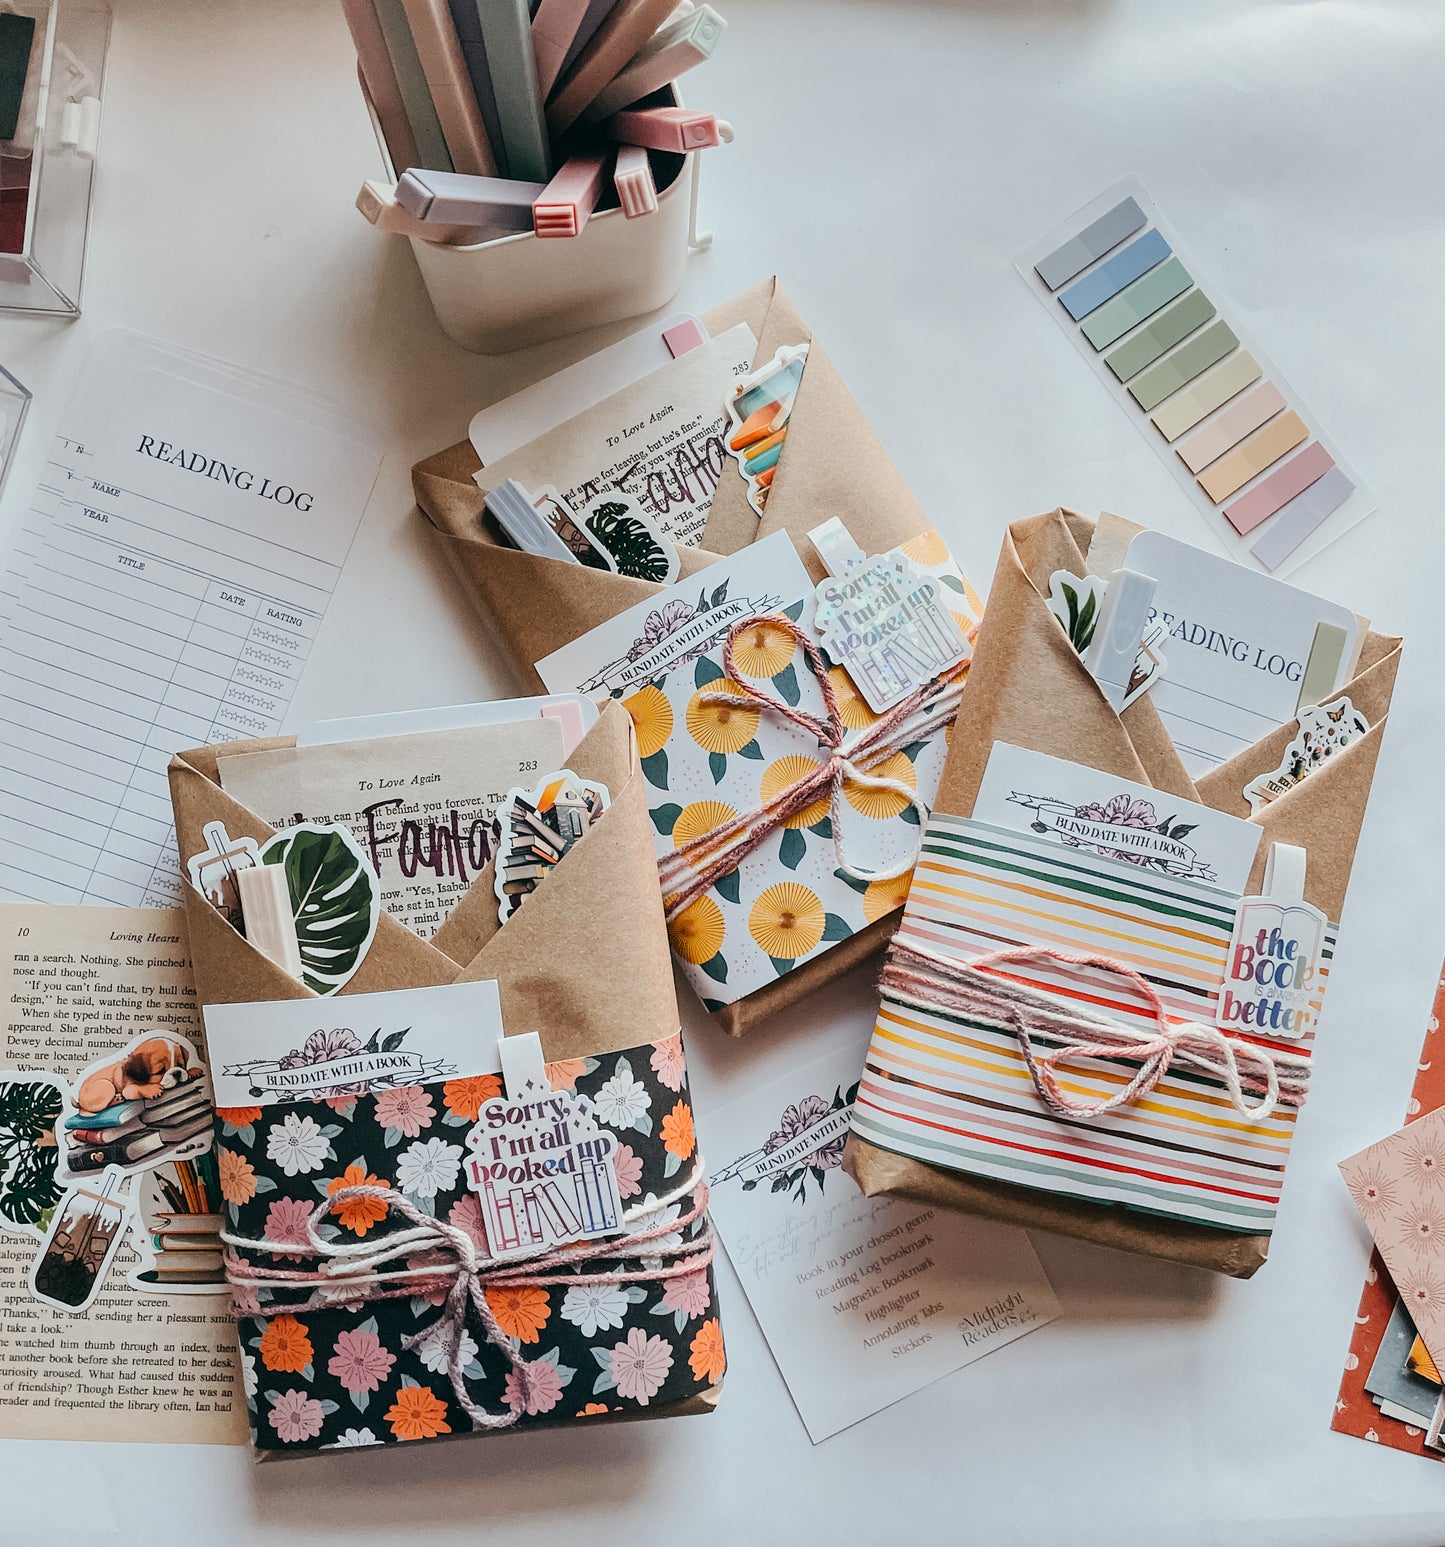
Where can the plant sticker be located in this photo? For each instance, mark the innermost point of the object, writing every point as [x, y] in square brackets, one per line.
[631, 539]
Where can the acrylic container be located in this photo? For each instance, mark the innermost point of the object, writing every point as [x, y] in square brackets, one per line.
[47, 171]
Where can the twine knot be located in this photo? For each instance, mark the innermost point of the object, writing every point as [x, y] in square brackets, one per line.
[437, 1253]
[927, 979]
[695, 866]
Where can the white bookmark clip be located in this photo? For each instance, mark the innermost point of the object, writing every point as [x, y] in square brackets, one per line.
[836, 548]
[1114, 649]
[1284, 873]
[522, 1062]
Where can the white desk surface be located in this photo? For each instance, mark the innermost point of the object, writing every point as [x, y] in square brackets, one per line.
[891, 157]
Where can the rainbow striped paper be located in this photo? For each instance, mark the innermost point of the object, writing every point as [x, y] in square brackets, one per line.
[954, 1090]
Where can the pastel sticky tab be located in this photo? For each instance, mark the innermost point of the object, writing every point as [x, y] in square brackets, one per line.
[663, 128]
[1261, 502]
[1092, 242]
[632, 177]
[1250, 458]
[1137, 302]
[1144, 347]
[567, 202]
[1185, 411]
[498, 203]
[682, 336]
[1227, 429]
[1322, 670]
[1112, 276]
[1180, 368]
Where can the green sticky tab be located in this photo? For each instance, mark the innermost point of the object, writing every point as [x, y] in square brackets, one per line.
[1136, 302]
[1163, 333]
[1183, 365]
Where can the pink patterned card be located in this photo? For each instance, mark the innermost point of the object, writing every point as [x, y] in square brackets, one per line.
[1399, 1186]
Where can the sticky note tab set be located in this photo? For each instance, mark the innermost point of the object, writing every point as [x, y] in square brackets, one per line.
[1233, 432]
[1099, 1011]
[406, 1112]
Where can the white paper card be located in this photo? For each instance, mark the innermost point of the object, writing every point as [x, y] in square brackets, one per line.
[308, 1049]
[863, 1301]
[1238, 643]
[647, 640]
[1105, 816]
[502, 427]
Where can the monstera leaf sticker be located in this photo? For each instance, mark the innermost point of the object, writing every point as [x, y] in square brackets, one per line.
[632, 543]
[335, 900]
[30, 1106]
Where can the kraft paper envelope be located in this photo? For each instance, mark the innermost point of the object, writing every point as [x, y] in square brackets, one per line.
[833, 465]
[1028, 687]
[585, 963]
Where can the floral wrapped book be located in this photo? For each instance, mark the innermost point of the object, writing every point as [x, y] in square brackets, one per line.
[463, 1190]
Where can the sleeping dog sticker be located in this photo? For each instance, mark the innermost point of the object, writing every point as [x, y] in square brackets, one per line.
[145, 1110]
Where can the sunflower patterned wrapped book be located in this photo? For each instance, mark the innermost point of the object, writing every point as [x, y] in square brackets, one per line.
[767, 862]
[420, 1244]
[832, 465]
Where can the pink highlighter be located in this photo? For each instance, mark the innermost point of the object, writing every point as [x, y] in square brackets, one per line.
[566, 203]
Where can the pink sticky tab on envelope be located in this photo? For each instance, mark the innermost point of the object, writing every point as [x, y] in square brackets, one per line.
[1399, 1187]
[683, 336]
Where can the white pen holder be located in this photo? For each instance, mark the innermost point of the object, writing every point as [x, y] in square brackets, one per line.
[506, 294]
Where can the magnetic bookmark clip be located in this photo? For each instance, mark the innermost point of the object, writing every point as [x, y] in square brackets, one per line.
[836, 548]
[510, 505]
[522, 1062]
[266, 909]
[1322, 670]
[1114, 649]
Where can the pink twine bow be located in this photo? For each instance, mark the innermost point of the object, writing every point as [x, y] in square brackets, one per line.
[723, 848]
[450, 1256]
[927, 979]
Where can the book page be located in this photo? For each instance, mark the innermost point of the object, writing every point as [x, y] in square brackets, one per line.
[420, 807]
[153, 1360]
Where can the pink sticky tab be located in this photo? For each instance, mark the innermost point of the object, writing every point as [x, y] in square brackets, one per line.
[1279, 488]
[568, 715]
[683, 336]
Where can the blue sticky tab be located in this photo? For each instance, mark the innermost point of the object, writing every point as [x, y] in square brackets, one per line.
[1110, 278]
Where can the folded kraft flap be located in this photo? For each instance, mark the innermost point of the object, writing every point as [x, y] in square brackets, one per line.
[1028, 687]
[833, 466]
